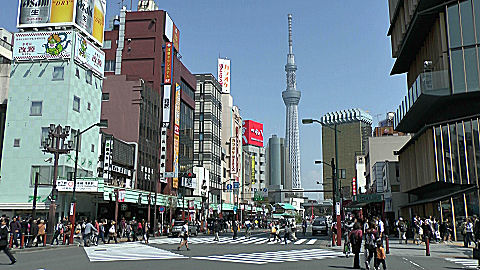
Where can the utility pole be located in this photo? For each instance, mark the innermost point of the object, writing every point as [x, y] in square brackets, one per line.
[35, 189]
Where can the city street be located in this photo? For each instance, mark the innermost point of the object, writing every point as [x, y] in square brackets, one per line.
[242, 253]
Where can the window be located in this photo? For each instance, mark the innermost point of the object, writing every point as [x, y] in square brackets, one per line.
[89, 105]
[88, 76]
[16, 142]
[36, 108]
[58, 74]
[467, 23]
[457, 71]
[76, 103]
[454, 26]
[103, 123]
[471, 69]
[107, 44]
[109, 65]
[77, 73]
[44, 134]
[93, 148]
[105, 96]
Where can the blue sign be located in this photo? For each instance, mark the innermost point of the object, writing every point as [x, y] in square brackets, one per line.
[229, 186]
[161, 209]
[236, 185]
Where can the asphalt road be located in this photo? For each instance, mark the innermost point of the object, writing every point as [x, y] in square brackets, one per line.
[253, 253]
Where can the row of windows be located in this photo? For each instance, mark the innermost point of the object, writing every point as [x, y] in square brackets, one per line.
[36, 107]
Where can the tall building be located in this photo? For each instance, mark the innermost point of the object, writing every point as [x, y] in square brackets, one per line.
[144, 45]
[436, 44]
[208, 146]
[6, 57]
[291, 98]
[253, 144]
[279, 170]
[354, 128]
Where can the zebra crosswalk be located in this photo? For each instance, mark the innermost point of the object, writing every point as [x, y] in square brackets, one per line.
[128, 252]
[228, 240]
[274, 256]
[467, 263]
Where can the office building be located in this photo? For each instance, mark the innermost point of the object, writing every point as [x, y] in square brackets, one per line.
[252, 139]
[279, 171]
[436, 44]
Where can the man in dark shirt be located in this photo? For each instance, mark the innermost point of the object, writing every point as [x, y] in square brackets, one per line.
[15, 229]
[4, 240]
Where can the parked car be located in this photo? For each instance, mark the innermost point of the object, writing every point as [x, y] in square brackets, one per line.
[319, 225]
[177, 228]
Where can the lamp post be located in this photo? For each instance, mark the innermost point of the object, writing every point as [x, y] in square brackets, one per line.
[56, 144]
[334, 165]
[73, 205]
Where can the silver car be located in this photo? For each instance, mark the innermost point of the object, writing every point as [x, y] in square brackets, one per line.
[320, 225]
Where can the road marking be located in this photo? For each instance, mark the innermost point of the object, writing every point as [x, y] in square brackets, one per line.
[311, 242]
[274, 256]
[413, 263]
[129, 252]
[468, 263]
[300, 241]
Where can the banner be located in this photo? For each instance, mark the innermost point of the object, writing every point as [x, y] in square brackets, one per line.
[89, 55]
[168, 76]
[233, 155]
[82, 186]
[223, 74]
[42, 45]
[176, 135]
[168, 27]
[166, 105]
[176, 38]
[86, 15]
[253, 170]
[354, 186]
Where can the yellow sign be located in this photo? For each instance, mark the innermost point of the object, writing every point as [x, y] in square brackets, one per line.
[176, 135]
[253, 170]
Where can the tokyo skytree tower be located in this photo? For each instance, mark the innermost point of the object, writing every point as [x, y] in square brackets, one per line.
[291, 98]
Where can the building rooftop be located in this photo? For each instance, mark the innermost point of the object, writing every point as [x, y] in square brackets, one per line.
[347, 116]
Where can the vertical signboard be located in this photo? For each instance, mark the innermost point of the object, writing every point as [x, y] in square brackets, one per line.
[107, 160]
[223, 74]
[86, 15]
[354, 186]
[176, 135]
[253, 170]
[233, 155]
[168, 63]
[168, 27]
[89, 55]
[166, 104]
[176, 38]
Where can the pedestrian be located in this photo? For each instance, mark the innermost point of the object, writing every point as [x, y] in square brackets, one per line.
[286, 234]
[370, 244]
[146, 228]
[247, 228]
[304, 227]
[380, 256]
[402, 229]
[134, 230]
[128, 230]
[89, 229]
[33, 233]
[216, 229]
[41, 233]
[235, 229]
[468, 233]
[273, 232]
[355, 238]
[4, 240]
[112, 233]
[15, 230]
[57, 232]
[184, 235]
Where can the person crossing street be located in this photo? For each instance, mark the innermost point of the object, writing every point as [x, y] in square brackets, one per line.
[4, 241]
[184, 235]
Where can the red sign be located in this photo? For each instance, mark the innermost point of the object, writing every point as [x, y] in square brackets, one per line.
[168, 63]
[252, 133]
[176, 38]
[354, 186]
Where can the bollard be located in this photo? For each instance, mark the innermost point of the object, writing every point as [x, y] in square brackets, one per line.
[64, 238]
[427, 246]
[44, 239]
[333, 239]
[11, 240]
[387, 245]
[22, 241]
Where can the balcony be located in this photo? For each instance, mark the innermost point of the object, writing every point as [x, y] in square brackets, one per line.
[427, 89]
[5, 49]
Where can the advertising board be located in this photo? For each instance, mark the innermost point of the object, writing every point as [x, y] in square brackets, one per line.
[253, 170]
[89, 55]
[82, 186]
[86, 15]
[176, 135]
[223, 74]
[42, 45]
[233, 155]
[252, 133]
[166, 104]
[168, 63]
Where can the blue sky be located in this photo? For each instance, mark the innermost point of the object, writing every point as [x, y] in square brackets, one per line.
[341, 50]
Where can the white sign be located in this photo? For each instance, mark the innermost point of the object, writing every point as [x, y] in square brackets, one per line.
[233, 155]
[42, 45]
[223, 74]
[163, 154]
[121, 195]
[166, 104]
[168, 27]
[337, 208]
[72, 206]
[82, 186]
[89, 55]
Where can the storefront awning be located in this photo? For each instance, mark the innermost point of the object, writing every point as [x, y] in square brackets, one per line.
[363, 199]
[287, 206]
[439, 198]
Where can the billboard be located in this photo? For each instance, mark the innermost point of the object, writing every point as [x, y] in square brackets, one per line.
[233, 155]
[176, 135]
[252, 133]
[89, 55]
[42, 45]
[223, 74]
[82, 185]
[86, 15]
[171, 32]
[168, 76]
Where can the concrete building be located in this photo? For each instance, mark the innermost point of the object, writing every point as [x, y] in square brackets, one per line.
[279, 170]
[6, 57]
[252, 140]
[137, 46]
[207, 132]
[435, 43]
[354, 129]
[66, 91]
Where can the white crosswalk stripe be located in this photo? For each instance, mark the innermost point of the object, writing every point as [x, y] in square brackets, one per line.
[128, 252]
[467, 263]
[274, 256]
[223, 240]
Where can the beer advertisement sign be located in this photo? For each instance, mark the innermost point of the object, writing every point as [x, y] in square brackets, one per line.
[89, 55]
[86, 15]
[29, 46]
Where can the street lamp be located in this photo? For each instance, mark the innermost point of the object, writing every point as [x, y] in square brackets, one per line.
[334, 165]
[73, 204]
[56, 144]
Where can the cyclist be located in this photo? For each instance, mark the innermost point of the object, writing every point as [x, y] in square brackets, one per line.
[248, 226]
[89, 229]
